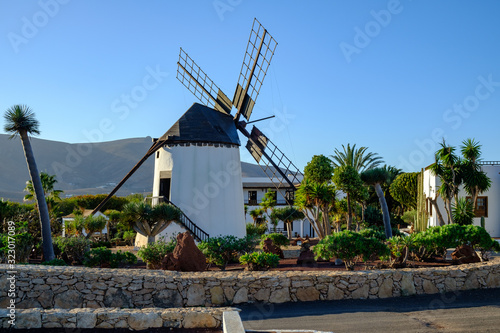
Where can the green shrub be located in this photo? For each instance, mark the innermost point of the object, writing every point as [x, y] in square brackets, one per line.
[400, 248]
[72, 249]
[55, 262]
[260, 261]
[350, 247]
[24, 242]
[221, 250]
[463, 212]
[435, 240]
[277, 238]
[102, 256]
[153, 253]
[373, 232]
[129, 236]
[256, 230]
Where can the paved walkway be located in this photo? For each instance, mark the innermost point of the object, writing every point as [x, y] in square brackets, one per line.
[461, 311]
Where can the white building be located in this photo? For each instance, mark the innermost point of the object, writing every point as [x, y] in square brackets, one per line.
[486, 204]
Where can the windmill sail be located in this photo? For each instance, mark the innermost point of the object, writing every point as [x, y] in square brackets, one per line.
[280, 170]
[258, 55]
[197, 82]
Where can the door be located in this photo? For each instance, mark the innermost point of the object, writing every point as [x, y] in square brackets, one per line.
[165, 188]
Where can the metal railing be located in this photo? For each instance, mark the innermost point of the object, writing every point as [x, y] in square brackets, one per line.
[198, 233]
[282, 202]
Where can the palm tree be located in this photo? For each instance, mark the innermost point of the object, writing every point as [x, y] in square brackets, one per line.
[315, 200]
[288, 215]
[360, 159]
[150, 221]
[48, 182]
[475, 180]
[376, 177]
[447, 168]
[20, 120]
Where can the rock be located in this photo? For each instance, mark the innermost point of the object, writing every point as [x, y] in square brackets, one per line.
[86, 319]
[334, 293]
[115, 298]
[306, 256]
[186, 256]
[465, 254]
[168, 298]
[196, 295]
[296, 241]
[361, 292]
[280, 296]
[28, 304]
[429, 287]
[199, 320]
[307, 294]
[407, 285]
[262, 295]
[217, 294]
[269, 247]
[46, 299]
[338, 262]
[241, 296]
[141, 320]
[385, 289]
[68, 300]
[29, 319]
[493, 280]
[450, 284]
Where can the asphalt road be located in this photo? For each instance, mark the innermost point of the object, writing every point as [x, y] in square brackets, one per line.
[461, 311]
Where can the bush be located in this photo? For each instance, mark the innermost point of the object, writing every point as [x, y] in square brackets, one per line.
[129, 236]
[54, 262]
[260, 261]
[277, 238]
[72, 249]
[350, 247]
[24, 242]
[463, 212]
[153, 253]
[102, 256]
[436, 240]
[256, 230]
[223, 249]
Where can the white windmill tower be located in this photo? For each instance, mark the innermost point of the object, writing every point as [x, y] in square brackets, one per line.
[197, 165]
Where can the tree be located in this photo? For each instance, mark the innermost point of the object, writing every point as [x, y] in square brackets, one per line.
[256, 214]
[315, 200]
[360, 159]
[447, 168]
[150, 221]
[20, 120]
[48, 182]
[319, 169]
[475, 180]
[288, 215]
[268, 203]
[346, 179]
[375, 177]
[404, 189]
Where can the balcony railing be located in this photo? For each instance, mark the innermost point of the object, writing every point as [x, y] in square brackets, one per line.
[282, 202]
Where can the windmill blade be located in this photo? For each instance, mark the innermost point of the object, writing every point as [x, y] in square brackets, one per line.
[258, 55]
[282, 172]
[197, 82]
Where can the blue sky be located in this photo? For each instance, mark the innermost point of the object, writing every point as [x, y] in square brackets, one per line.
[395, 76]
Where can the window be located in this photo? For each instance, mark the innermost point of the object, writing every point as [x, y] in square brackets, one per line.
[252, 197]
[481, 206]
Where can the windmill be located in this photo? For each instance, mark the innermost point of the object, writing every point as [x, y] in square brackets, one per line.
[204, 143]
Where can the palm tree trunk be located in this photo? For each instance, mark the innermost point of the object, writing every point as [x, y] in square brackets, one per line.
[438, 212]
[349, 212]
[289, 229]
[385, 210]
[47, 247]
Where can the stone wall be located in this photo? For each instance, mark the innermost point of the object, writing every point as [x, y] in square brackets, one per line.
[76, 287]
[109, 318]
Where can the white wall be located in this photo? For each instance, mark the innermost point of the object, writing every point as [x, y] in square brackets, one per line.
[492, 222]
[206, 184]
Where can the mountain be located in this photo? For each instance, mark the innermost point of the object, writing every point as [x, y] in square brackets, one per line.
[83, 168]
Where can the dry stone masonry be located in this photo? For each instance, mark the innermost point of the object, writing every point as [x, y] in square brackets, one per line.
[78, 287]
[114, 298]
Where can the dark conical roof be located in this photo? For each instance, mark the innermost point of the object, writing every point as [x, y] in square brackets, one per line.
[201, 124]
